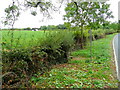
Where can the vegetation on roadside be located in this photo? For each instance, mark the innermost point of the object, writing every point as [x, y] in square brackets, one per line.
[27, 54]
[22, 63]
[24, 39]
[39, 51]
[81, 71]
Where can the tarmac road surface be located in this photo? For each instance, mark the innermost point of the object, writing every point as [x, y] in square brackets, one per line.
[116, 47]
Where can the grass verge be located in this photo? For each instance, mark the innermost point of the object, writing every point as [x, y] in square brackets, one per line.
[82, 71]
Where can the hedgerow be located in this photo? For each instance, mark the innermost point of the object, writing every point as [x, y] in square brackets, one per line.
[20, 64]
[24, 63]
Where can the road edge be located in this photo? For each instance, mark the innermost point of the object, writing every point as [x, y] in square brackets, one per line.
[115, 57]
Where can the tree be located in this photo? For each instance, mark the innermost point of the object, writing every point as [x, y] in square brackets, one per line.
[51, 27]
[43, 27]
[67, 25]
[17, 6]
[12, 14]
[28, 28]
[46, 6]
[81, 14]
[61, 26]
[105, 13]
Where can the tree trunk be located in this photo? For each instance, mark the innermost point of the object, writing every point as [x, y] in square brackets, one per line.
[82, 39]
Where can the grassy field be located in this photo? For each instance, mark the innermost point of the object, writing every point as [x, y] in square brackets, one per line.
[21, 39]
[81, 71]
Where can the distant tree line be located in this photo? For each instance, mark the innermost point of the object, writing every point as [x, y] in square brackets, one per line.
[108, 25]
[64, 26]
[49, 27]
[53, 27]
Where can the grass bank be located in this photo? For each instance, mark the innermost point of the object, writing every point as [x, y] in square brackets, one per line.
[82, 71]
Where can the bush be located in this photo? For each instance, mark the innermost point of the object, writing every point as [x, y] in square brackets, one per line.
[20, 64]
[110, 31]
[77, 37]
[57, 45]
[97, 34]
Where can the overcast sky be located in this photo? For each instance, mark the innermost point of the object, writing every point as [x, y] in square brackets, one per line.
[27, 20]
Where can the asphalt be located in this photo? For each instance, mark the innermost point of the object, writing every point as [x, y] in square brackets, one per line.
[116, 47]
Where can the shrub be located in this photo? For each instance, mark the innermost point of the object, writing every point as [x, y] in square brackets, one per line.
[20, 64]
[57, 45]
[77, 37]
[110, 31]
[97, 34]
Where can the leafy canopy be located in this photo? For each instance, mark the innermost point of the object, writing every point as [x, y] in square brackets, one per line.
[87, 13]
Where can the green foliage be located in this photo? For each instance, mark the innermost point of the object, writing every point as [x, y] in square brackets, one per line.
[34, 13]
[82, 73]
[110, 31]
[113, 26]
[99, 33]
[43, 27]
[61, 26]
[57, 45]
[87, 13]
[25, 62]
[12, 13]
[34, 52]
[53, 27]
[21, 39]
[78, 37]
[98, 47]
[91, 14]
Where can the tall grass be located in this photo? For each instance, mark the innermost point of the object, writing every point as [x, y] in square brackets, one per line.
[21, 39]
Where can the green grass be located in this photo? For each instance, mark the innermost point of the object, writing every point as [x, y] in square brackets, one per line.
[21, 39]
[81, 71]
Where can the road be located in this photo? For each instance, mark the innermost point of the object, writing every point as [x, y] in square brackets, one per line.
[116, 47]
